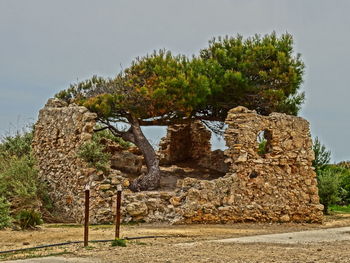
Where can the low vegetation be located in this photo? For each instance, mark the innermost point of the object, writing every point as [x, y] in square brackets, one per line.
[119, 242]
[20, 189]
[333, 179]
[340, 209]
[94, 152]
[5, 218]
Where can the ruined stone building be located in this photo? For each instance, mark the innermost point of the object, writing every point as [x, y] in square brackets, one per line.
[277, 184]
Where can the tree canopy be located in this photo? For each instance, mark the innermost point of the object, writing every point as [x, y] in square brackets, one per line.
[260, 73]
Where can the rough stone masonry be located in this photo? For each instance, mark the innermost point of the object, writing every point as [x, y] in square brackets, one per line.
[276, 185]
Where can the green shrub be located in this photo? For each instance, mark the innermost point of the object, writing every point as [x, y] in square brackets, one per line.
[322, 155]
[5, 218]
[328, 186]
[18, 145]
[340, 209]
[93, 153]
[106, 134]
[29, 219]
[19, 182]
[262, 147]
[119, 242]
[344, 185]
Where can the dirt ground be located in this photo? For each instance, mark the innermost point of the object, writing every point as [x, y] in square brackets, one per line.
[179, 243]
[170, 174]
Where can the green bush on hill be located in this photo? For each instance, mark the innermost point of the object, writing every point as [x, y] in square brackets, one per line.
[5, 218]
[18, 145]
[328, 186]
[19, 182]
[333, 179]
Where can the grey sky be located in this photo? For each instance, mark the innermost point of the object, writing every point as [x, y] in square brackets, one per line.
[47, 44]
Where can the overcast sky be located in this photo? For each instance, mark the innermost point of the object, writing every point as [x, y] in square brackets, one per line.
[45, 45]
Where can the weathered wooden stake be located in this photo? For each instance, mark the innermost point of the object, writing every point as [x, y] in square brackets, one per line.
[117, 214]
[86, 223]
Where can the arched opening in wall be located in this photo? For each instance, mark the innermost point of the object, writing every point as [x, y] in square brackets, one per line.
[264, 142]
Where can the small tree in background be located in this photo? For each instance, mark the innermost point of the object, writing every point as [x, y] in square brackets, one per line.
[329, 177]
[328, 185]
[322, 155]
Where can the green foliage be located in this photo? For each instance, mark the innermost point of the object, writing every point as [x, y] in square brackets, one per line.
[343, 175]
[322, 155]
[260, 73]
[340, 209]
[160, 84]
[328, 185]
[262, 147]
[19, 182]
[119, 242]
[5, 218]
[163, 84]
[29, 219]
[107, 134]
[18, 145]
[333, 180]
[93, 153]
[262, 142]
[328, 176]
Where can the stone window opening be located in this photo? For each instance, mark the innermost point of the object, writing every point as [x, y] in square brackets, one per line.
[264, 142]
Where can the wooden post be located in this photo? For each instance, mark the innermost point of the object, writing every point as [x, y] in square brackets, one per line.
[117, 214]
[86, 223]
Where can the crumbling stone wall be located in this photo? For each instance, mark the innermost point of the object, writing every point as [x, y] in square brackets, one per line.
[59, 132]
[279, 185]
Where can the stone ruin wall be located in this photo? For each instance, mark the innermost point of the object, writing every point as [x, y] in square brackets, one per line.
[59, 132]
[279, 186]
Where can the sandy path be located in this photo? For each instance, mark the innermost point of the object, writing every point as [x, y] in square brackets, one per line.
[198, 239]
[311, 236]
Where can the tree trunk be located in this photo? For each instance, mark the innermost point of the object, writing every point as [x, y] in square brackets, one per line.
[150, 180]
